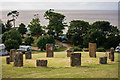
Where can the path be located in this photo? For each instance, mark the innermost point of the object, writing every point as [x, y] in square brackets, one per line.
[64, 44]
[34, 48]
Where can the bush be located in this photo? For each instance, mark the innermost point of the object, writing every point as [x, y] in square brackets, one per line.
[76, 49]
[11, 44]
[43, 40]
[100, 49]
[13, 35]
[29, 40]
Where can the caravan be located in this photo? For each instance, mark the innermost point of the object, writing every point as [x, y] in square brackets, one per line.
[117, 49]
[2, 50]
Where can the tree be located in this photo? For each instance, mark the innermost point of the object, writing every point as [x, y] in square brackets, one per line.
[105, 27]
[76, 31]
[29, 40]
[43, 40]
[13, 35]
[14, 15]
[56, 22]
[2, 27]
[101, 33]
[93, 36]
[22, 29]
[11, 44]
[35, 26]
[8, 25]
[112, 41]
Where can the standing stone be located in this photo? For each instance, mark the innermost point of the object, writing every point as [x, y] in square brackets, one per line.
[109, 55]
[28, 55]
[75, 59]
[12, 55]
[49, 50]
[18, 62]
[103, 60]
[23, 52]
[69, 53]
[92, 49]
[41, 63]
[112, 54]
[7, 60]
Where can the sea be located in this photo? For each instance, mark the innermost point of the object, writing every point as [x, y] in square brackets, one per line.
[91, 16]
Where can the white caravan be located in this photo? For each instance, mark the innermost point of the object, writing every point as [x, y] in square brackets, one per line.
[2, 50]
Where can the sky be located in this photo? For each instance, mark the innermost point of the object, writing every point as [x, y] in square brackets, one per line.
[59, 4]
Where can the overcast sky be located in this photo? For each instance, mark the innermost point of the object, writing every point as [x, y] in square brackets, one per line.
[59, 4]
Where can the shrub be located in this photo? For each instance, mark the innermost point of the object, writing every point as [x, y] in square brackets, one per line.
[43, 40]
[11, 44]
[29, 40]
[41, 43]
[100, 49]
[13, 35]
[76, 49]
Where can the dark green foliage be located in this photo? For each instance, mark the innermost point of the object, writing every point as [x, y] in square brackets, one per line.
[76, 49]
[2, 27]
[11, 44]
[14, 15]
[12, 34]
[94, 36]
[29, 40]
[43, 40]
[112, 41]
[22, 29]
[103, 34]
[8, 25]
[35, 26]
[100, 50]
[76, 31]
[56, 24]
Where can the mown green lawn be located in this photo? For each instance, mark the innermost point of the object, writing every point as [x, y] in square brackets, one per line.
[59, 67]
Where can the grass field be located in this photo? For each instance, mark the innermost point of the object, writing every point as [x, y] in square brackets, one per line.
[59, 67]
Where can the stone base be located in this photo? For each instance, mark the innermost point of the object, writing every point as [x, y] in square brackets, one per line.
[109, 55]
[18, 60]
[112, 56]
[103, 60]
[28, 55]
[7, 60]
[41, 63]
[75, 59]
[69, 53]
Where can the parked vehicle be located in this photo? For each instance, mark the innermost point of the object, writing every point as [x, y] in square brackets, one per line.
[64, 41]
[3, 52]
[24, 48]
[117, 49]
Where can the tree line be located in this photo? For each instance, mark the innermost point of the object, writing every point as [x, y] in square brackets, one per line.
[79, 33]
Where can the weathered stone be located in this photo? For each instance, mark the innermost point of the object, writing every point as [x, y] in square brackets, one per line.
[112, 54]
[92, 49]
[103, 60]
[49, 50]
[12, 55]
[41, 63]
[18, 62]
[28, 55]
[109, 55]
[69, 52]
[23, 52]
[7, 60]
[75, 59]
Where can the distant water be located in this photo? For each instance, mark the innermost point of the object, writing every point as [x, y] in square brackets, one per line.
[86, 15]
